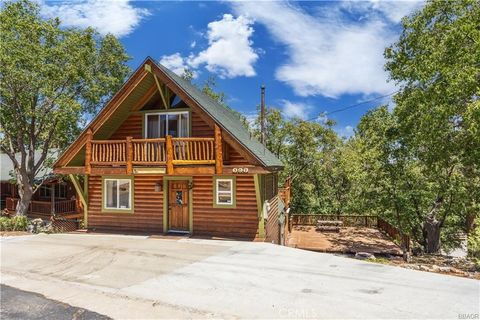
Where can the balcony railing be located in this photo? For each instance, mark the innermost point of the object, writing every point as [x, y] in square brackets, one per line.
[44, 207]
[166, 151]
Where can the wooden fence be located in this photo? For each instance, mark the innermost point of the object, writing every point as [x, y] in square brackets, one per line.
[348, 220]
[402, 239]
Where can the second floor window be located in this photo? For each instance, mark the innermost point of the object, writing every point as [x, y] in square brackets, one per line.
[158, 125]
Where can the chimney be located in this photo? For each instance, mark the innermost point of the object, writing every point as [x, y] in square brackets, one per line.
[262, 115]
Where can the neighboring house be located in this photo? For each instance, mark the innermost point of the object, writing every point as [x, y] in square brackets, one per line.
[53, 196]
[162, 157]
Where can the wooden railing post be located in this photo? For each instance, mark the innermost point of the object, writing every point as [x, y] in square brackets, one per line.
[169, 145]
[218, 150]
[129, 150]
[88, 152]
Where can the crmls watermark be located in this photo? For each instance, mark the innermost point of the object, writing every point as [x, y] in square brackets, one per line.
[468, 316]
[298, 313]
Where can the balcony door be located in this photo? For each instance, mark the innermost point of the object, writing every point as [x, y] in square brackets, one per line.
[158, 125]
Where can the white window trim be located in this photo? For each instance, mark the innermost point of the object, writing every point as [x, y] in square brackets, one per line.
[166, 123]
[217, 199]
[118, 194]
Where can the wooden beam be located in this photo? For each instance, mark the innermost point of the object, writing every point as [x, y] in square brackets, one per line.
[193, 171]
[102, 171]
[240, 170]
[218, 150]
[162, 94]
[169, 147]
[88, 152]
[69, 170]
[129, 155]
[82, 194]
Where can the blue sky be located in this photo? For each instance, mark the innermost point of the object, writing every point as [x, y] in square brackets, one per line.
[313, 57]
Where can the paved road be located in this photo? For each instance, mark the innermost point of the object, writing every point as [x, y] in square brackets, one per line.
[18, 304]
[135, 277]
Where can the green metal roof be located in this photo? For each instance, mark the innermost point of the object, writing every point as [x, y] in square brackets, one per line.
[226, 118]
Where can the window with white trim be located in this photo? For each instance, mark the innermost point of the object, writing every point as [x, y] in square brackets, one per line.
[118, 194]
[158, 125]
[224, 192]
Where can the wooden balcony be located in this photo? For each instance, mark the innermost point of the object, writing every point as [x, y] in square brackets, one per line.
[168, 152]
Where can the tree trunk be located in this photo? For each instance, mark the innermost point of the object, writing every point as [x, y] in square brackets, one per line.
[431, 227]
[26, 194]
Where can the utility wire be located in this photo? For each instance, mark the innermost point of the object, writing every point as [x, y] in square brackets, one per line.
[354, 105]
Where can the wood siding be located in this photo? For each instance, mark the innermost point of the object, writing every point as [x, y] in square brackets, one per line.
[148, 207]
[132, 127]
[241, 222]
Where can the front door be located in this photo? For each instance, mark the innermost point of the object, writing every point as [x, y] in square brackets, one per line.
[178, 206]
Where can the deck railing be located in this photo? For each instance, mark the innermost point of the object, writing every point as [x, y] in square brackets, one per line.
[44, 207]
[193, 150]
[162, 151]
[148, 151]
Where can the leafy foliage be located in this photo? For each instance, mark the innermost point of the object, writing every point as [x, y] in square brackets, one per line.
[52, 77]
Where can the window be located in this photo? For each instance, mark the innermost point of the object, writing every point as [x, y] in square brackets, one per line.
[158, 125]
[224, 192]
[60, 191]
[117, 194]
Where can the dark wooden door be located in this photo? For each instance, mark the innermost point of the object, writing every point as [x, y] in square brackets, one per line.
[178, 205]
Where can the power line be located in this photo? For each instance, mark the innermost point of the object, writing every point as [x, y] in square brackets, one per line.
[355, 105]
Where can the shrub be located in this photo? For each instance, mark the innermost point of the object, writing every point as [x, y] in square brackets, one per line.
[19, 223]
[5, 224]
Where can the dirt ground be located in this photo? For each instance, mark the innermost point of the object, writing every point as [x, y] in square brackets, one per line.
[14, 233]
[348, 240]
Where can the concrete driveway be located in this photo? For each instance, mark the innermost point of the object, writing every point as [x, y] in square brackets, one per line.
[137, 277]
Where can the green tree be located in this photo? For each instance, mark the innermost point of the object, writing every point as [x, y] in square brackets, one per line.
[51, 77]
[436, 64]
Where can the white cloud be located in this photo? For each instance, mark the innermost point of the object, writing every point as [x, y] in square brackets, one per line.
[230, 53]
[328, 54]
[176, 63]
[193, 44]
[395, 10]
[118, 17]
[345, 132]
[295, 109]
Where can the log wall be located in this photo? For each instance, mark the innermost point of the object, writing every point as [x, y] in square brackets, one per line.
[240, 222]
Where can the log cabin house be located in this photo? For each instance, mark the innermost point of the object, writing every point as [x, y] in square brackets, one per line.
[163, 157]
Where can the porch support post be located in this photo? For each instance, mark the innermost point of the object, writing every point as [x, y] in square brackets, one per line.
[83, 194]
[218, 150]
[169, 145]
[129, 155]
[88, 152]
[52, 199]
[258, 194]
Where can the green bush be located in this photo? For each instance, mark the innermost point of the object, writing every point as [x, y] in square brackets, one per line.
[5, 224]
[19, 223]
